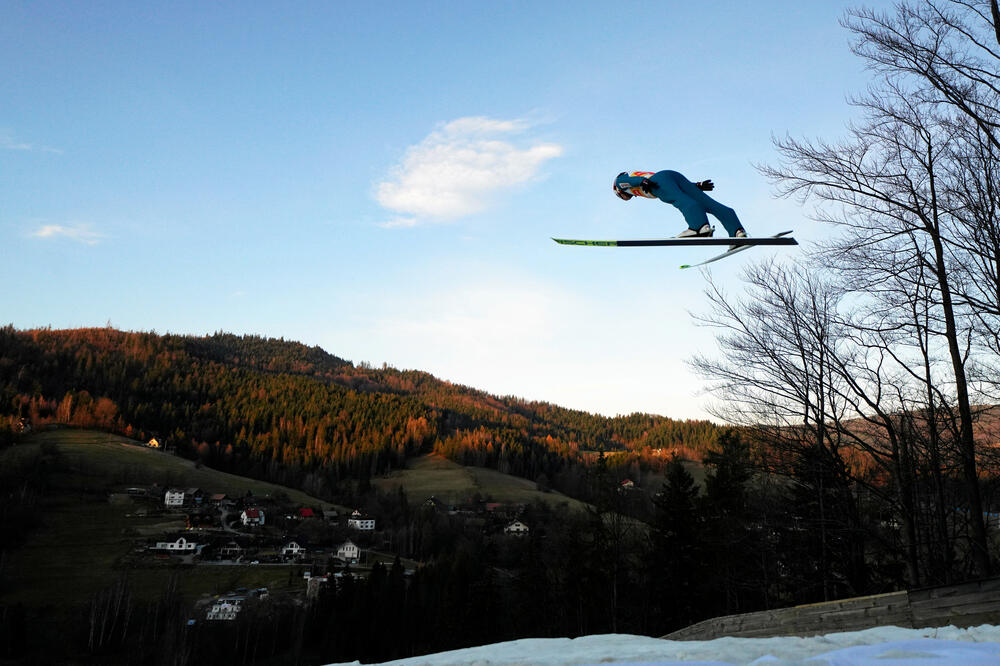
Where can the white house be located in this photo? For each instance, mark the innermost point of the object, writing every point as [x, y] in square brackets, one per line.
[349, 552]
[182, 545]
[516, 528]
[360, 522]
[253, 516]
[225, 608]
[174, 497]
[292, 549]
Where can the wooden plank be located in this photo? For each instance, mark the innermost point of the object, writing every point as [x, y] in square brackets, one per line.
[957, 602]
[955, 598]
[873, 599]
[973, 620]
[977, 587]
[985, 608]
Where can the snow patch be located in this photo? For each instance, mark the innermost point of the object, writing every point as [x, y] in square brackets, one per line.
[881, 646]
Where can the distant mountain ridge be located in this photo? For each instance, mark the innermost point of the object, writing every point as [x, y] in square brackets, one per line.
[296, 414]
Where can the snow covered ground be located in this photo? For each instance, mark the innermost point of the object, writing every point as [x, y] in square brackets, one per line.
[882, 646]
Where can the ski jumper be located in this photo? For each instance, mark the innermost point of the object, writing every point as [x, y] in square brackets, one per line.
[673, 188]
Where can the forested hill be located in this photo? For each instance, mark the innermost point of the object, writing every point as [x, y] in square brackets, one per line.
[295, 414]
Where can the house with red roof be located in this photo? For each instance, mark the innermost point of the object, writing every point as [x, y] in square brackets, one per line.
[252, 517]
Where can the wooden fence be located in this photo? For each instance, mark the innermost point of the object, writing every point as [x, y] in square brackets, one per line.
[964, 605]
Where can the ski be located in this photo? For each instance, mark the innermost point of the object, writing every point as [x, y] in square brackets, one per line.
[746, 246]
[698, 241]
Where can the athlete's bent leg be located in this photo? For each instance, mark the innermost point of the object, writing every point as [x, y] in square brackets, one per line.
[725, 214]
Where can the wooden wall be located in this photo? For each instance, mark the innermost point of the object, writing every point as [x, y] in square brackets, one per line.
[964, 605]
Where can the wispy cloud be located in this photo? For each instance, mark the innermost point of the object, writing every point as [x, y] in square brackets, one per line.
[399, 223]
[81, 233]
[8, 141]
[459, 168]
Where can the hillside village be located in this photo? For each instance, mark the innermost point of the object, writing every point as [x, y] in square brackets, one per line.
[320, 544]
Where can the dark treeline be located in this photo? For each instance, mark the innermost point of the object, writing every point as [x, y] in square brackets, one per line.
[296, 415]
[740, 541]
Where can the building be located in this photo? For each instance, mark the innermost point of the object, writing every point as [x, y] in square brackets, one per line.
[252, 517]
[174, 497]
[225, 608]
[181, 546]
[349, 552]
[516, 528]
[360, 522]
[292, 549]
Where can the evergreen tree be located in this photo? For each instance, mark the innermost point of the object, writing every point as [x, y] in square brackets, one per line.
[825, 546]
[729, 535]
[676, 562]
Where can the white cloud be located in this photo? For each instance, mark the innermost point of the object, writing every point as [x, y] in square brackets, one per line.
[82, 233]
[9, 142]
[459, 168]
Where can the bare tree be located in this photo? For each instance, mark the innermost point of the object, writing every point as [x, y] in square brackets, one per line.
[776, 374]
[943, 49]
[893, 187]
[774, 368]
[806, 378]
[995, 12]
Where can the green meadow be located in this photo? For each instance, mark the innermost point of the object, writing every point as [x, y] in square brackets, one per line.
[435, 476]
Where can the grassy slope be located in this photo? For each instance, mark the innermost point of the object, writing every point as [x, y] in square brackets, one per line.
[79, 546]
[73, 553]
[119, 460]
[450, 482]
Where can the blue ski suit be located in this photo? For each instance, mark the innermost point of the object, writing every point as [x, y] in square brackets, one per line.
[673, 188]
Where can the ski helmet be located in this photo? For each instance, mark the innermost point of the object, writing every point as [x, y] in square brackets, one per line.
[630, 184]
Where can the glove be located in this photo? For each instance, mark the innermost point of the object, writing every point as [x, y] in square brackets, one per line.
[705, 185]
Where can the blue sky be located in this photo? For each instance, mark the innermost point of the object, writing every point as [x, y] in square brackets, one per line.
[383, 179]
